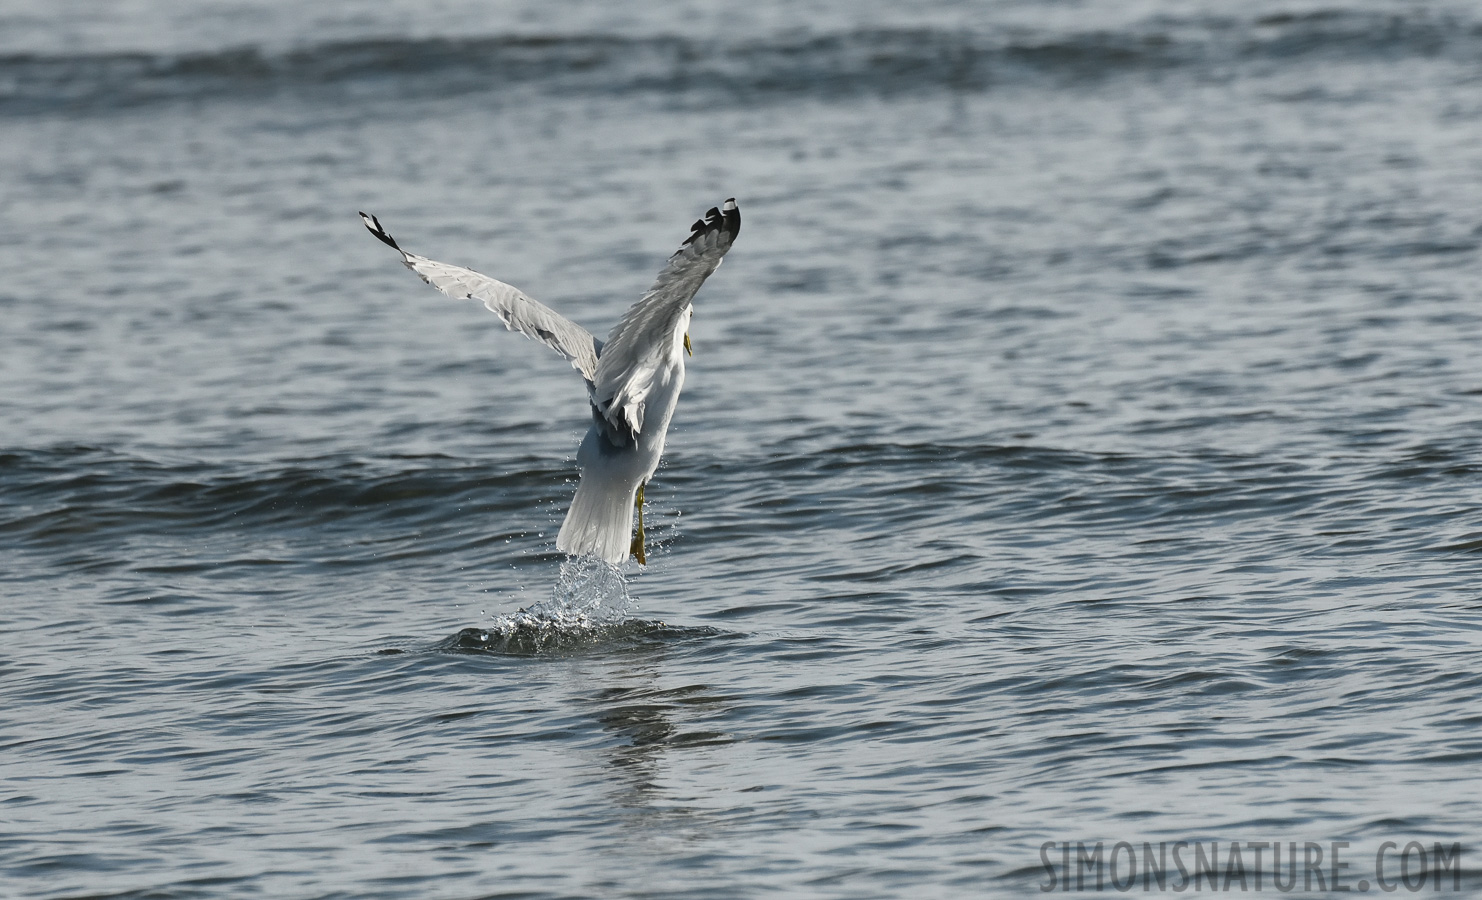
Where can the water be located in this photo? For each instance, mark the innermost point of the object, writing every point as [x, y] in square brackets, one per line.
[1081, 444]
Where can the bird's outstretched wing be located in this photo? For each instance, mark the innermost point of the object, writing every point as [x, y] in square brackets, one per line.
[517, 311]
[636, 349]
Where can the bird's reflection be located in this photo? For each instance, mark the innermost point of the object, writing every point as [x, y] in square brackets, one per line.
[652, 726]
[649, 727]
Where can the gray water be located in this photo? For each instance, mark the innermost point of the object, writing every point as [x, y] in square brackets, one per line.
[1081, 444]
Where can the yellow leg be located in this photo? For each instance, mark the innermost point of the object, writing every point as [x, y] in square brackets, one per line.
[687, 348]
[637, 546]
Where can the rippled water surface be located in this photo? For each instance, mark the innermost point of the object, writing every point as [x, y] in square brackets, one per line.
[1082, 443]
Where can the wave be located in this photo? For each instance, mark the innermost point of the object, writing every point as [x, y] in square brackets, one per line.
[71, 503]
[63, 496]
[60, 495]
[882, 61]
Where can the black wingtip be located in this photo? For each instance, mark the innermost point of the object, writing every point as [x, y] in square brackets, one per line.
[727, 219]
[731, 214]
[373, 225]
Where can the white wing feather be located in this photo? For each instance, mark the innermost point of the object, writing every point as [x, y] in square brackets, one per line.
[636, 349]
[517, 311]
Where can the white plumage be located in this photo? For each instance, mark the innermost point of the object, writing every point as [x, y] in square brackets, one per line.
[633, 380]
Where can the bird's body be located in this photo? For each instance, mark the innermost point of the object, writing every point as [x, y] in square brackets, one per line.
[633, 379]
[600, 520]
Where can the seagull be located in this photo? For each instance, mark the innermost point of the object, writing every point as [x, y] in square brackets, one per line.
[633, 379]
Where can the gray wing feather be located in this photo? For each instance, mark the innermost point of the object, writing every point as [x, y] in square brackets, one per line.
[517, 311]
[635, 350]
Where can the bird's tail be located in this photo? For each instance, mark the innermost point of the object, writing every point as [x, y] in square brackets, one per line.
[600, 521]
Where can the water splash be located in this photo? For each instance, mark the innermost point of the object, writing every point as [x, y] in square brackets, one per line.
[589, 601]
[588, 593]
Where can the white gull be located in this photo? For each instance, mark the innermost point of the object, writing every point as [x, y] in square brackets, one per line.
[633, 379]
